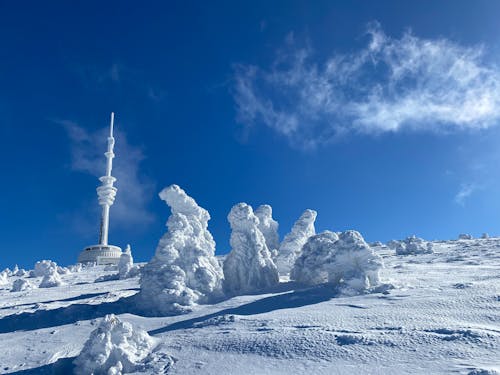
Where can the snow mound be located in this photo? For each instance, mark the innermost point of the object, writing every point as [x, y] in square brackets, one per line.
[248, 267]
[465, 236]
[268, 226]
[184, 270]
[345, 261]
[115, 347]
[414, 245]
[292, 244]
[51, 280]
[20, 285]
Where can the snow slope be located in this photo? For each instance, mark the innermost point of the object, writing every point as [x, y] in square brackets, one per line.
[443, 316]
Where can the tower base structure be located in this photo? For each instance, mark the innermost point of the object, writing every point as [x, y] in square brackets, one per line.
[100, 254]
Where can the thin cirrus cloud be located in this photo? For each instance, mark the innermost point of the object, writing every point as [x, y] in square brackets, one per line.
[134, 190]
[464, 192]
[389, 85]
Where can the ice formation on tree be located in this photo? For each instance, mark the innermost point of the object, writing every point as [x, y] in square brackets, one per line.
[248, 267]
[268, 226]
[51, 279]
[465, 236]
[44, 267]
[4, 277]
[292, 244]
[414, 245]
[115, 347]
[184, 270]
[20, 285]
[346, 261]
[126, 266]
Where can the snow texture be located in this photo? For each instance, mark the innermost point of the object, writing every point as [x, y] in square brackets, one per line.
[115, 347]
[292, 244]
[345, 261]
[248, 267]
[20, 285]
[268, 226]
[414, 245]
[184, 270]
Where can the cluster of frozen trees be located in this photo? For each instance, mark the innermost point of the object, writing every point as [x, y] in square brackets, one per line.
[184, 270]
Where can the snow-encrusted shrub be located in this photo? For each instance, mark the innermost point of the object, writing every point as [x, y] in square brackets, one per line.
[4, 278]
[126, 266]
[414, 245]
[345, 261]
[22, 273]
[20, 285]
[485, 236]
[292, 244]
[115, 347]
[184, 270]
[51, 279]
[44, 267]
[248, 267]
[465, 236]
[268, 226]
[75, 268]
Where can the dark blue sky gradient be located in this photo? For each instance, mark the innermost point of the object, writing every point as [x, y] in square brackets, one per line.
[172, 94]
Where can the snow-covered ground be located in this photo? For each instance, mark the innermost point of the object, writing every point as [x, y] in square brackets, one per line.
[442, 316]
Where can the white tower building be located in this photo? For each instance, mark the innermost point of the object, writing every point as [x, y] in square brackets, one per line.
[103, 253]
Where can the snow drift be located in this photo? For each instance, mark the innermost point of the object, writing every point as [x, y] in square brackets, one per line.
[115, 347]
[345, 261]
[413, 245]
[248, 267]
[291, 246]
[184, 270]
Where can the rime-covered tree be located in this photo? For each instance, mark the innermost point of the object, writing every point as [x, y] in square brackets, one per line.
[248, 267]
[184, 270]
[291, 246]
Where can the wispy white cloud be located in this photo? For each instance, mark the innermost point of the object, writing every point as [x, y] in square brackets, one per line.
[464, 192]
[389, 85]
[134, 190]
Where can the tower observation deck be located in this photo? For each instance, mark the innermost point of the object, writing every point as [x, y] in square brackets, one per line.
[103, 253]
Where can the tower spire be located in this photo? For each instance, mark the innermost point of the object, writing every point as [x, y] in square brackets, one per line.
[106, 192]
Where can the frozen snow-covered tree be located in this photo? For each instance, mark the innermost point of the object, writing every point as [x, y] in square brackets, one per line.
[44, 267]
[51, 279]
[115, 347]
[465, 236]
[248, 267]
[20, 285]
[414, 245]
[184, 270]
[268, 226]
[345, 261]
[291, 246]
[125, 264]
[4, 277]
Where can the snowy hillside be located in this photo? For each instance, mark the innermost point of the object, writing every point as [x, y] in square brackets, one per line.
[442, 316]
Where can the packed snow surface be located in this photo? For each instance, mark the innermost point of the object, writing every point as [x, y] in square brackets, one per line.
[248, 267]
[442, 317]
[291, 246]
[184, 270]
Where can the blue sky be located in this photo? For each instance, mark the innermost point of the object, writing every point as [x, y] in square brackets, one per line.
[383, 116]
